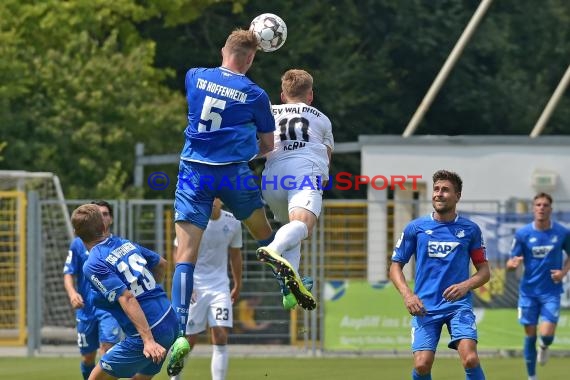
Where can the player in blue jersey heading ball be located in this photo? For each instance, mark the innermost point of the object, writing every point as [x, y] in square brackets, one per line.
[125, 278]
[444, 244]
[229, 123]
[540, 246]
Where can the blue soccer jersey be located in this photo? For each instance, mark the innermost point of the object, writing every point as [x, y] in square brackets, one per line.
[117, 264]
[542, 251]
[225, 112]
[443, 251]
[76, 257]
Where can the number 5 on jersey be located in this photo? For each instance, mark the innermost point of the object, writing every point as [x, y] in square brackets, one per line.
[211, 112]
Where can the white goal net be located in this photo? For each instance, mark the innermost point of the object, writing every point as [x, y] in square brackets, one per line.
[54, 232]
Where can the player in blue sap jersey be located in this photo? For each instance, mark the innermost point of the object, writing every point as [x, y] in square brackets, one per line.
[443, 244]
[540, 245]
[227, 113]
[126, 279]
[96, 328]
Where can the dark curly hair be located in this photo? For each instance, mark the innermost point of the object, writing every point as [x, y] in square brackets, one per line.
[446, 175]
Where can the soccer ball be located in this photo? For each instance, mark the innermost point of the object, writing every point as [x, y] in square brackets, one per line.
[270, 30]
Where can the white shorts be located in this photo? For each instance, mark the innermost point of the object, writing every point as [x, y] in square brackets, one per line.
[215, 308]
[283, 192]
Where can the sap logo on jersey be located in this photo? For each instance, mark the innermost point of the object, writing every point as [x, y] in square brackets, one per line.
[441, 249]
[540, 251]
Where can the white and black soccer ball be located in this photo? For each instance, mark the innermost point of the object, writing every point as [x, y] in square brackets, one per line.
[271, 31]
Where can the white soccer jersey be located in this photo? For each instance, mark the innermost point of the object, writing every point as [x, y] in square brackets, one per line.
[302, 131]
[211, 272]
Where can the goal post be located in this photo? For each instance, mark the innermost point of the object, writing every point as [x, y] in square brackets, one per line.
[42, 238]
[12, 268]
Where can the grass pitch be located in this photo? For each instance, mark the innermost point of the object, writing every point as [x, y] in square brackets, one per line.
[298, 368]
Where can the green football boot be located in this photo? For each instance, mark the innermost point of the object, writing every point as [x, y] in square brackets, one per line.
[180, 348]
[289, 300]
[282, 268]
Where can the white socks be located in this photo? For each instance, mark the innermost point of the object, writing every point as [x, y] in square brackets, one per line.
[289, 236]
[219, 365]
[293, 255]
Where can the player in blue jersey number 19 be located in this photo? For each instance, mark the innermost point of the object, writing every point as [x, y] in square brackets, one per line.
[126, 278]
[444, 244]
[540, 246]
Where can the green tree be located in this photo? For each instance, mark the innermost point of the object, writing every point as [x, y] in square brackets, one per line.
[79, 88]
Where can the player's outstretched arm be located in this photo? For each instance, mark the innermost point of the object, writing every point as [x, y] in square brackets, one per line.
[133, 310]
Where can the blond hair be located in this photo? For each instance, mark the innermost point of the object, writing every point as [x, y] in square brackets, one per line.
[241, 43]
[296, 84]
[87, 222]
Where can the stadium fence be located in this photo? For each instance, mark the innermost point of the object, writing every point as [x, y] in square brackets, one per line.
[35, 230]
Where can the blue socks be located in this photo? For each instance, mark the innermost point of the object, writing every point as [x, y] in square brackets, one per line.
[86, 370]
[474, 373]
[416, 376]
[529, 354]
[182, 286]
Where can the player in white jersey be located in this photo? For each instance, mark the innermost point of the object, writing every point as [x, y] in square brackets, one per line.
[212, 299]
[295, 173]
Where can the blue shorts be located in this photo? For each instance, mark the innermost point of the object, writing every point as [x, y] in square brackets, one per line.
[102, 328]
[126, 358]
[426, 331]
[198, 185]
[531, 308]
